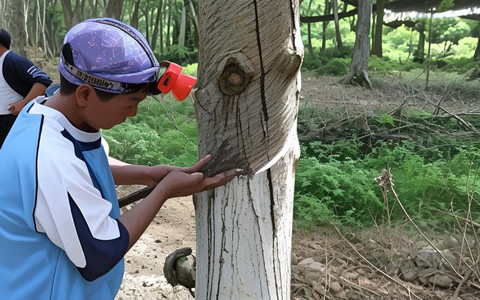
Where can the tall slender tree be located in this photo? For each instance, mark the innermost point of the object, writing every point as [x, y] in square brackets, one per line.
[338, 36]
[378, 40]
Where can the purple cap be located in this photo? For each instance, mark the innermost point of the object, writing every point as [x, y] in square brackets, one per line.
[108, 55]
[5, 38]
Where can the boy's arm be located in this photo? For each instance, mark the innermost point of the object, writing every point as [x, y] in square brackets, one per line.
[127, 174]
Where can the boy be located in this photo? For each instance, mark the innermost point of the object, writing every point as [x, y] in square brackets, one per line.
[61, 234]
[20, 82]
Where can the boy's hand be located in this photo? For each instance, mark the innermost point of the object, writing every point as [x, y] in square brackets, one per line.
[187, 181]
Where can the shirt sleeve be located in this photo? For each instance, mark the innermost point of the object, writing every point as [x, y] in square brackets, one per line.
[72, 212]
[20, 74]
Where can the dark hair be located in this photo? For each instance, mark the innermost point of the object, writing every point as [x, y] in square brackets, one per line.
[5, 38]
[68, 88]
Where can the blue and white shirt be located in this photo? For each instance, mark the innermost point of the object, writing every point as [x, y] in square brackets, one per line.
[60, 237]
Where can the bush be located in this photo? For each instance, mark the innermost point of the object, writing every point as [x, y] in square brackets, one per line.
[334, 182]
[380, 65]
[180, 55]
[163, 132]
[336, 67]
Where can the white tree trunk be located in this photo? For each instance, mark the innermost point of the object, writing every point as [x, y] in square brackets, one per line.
[246, 104]
[183, 26]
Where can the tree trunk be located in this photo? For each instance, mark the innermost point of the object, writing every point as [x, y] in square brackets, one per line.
[114, 9]
[157, 28]
[324, 27]
[378, 41]
[246, 103]
[419, 55]
[14, 23]
[476, 55]
[183, 26]
[194, 15]
[361, 51]
[169, 18]
[145, 10]
[309, 32]
[429, 58]
[70, 16]
[134, 18]
[337, 26]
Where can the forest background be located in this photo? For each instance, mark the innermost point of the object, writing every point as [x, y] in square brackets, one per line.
[418, 121]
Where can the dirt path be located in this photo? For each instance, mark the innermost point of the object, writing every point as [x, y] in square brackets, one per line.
[172, 229]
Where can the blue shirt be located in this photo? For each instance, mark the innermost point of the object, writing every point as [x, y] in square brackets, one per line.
[60, 237]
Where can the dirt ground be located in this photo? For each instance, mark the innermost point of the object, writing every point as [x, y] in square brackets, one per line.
[172, 229]
[343, 271]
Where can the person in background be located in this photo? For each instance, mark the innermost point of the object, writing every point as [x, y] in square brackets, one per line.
[20, 82]
[62, 235]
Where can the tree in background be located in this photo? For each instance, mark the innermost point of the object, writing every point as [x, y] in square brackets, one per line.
[476, 33]
[15, 24]
[246, 104]
[114, 9]
[338, 36]
[378, 36]
[359, 66]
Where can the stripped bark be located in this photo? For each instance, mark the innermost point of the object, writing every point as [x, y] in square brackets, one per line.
[246, 104]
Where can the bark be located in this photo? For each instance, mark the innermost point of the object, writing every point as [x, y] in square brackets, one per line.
[309, 32]
[158, 28]
[183, 26]
[114, 9]
[324, 26]
[71, 15]
[309, 40]
[15, 24]
[134, 18]
[337, 26]
[169, 18]
[246, 103]
[361, 51]
[194, 15]
[378, 40]
[419, 55]
[2, 14]
[476, 55]
[145, 11]
[429, 59]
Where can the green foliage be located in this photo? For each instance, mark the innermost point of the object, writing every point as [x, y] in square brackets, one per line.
[164, 132]
[445, 5]
[380, 64]
[432, 173]
[336, 67]
[181, 55]
[455, 33]
[386, 119]
[340, 188]
[310, 63]
[456, 64]
[331, 186]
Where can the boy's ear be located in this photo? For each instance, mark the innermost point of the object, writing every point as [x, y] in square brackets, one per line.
[84, 93]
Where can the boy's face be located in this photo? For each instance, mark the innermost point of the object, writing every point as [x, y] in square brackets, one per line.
[106, 114]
